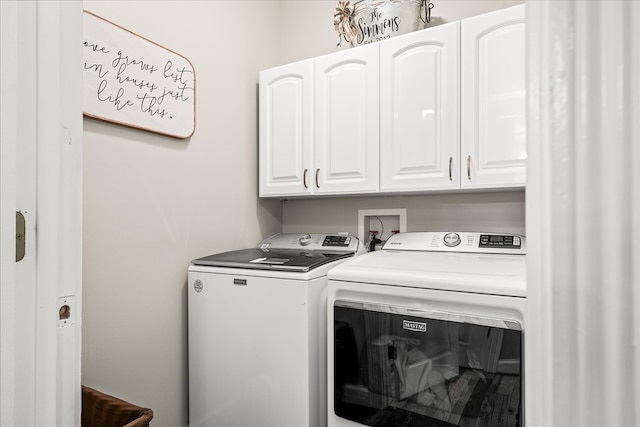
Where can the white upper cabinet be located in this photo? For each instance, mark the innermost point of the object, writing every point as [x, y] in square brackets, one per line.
[493, 100]
[419, 110]
[434, 110]
[346, 121]
[286, 130]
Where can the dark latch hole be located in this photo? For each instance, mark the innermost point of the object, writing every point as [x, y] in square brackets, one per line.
[64, 312]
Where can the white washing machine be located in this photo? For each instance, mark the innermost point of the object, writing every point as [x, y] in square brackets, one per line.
[429, 331]
[257, 332]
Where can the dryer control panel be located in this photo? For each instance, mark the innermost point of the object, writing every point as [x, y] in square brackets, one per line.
[500, 241]
[474, 242]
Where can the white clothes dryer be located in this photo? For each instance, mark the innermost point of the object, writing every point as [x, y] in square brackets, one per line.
[429, 331]
[257, 332]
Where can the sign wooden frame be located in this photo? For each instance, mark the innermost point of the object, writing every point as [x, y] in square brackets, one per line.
[135, 82]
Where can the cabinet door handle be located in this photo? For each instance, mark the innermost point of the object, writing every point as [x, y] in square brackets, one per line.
[304, 178]
[469, 167]
[450, 166]
[317, 172]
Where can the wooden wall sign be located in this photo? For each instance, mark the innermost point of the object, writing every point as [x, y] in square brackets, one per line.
[132, 81]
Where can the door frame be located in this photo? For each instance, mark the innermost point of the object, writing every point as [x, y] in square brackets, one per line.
[41, 176]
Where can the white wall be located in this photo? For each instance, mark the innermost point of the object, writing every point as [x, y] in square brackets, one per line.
[309, 32]
[503, 211]
[153, 203]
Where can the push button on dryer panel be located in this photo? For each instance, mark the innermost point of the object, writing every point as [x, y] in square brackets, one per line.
[451, 239]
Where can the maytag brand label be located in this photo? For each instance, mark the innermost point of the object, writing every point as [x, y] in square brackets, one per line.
[414, 326]
[240, 282]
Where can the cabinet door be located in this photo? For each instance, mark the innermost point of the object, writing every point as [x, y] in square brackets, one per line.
[419, 110]
[494, 99]
[346, 121]
[286, 129]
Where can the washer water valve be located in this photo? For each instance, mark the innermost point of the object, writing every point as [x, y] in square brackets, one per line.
[373, 240]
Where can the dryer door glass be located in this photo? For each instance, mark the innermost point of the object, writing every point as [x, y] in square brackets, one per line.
[402, 367]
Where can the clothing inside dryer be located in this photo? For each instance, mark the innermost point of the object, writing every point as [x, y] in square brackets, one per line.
[397, 370]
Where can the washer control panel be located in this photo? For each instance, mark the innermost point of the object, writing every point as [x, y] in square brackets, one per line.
[496, 243]
[305, 239]
[339, 242]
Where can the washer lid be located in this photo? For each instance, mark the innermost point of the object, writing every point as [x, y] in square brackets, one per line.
[272, 259]
[288, 252]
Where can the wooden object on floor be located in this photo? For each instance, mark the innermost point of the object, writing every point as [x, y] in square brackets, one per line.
[103, 410]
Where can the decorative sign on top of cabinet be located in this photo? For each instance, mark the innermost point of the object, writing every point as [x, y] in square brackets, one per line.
[434, 110]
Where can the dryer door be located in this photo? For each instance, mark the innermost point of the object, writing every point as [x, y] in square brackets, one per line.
[398, 366]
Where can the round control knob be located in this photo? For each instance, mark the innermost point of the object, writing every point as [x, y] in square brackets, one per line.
[451, 239]
[305, 239]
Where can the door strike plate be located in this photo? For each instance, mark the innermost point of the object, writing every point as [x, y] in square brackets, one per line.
[20, 236]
